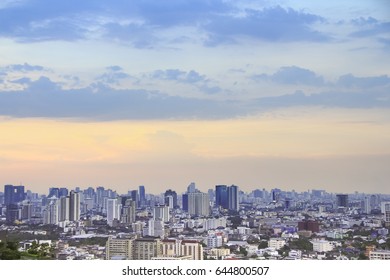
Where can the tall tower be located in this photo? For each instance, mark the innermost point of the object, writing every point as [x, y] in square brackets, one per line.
[128, 212]
[342, 200]
[161, 213]
[74, 206]
[113, 210]
[173, 195]
[233, 198]
[227, 197]
[13, 194]
[142, 196]
[198, 204]
[385, 209]
[64, 209]
[221, 196]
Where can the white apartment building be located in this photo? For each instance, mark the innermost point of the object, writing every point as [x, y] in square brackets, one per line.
[276, 243]
[379, 255]
[321, 245]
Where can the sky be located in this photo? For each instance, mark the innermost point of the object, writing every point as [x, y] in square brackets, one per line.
[260, 94]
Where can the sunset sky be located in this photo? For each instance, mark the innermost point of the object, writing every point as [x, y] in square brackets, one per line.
[260, 94]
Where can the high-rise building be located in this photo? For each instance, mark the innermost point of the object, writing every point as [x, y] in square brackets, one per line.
[385, 209]
[1, 198]
[198, 204]
[155, 228]
[161, 212]
[227, 197]
[170, 195]
[63, 192]
[134, 196]
[142, 196]
[51, 213]
[26, 210]
[128, 212]
[367, 205]
[185, 202]
[221, 196]
[99, 199]
[13, 194]
[113, 210]
[54, 192]
[74, 206]
[233, 198]
[191, 188]
[64, 209]
[342, 200]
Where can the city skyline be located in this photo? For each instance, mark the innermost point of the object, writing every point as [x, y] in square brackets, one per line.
[264, 94]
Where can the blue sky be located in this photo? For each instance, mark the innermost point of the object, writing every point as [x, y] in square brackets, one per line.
[207, 61]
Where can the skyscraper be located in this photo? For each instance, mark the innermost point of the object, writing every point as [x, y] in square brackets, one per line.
[63, 209]
[227, 197]
[185, 202]
[134, 196]
[221, 196]
[128, 212]
[142, 196]
[191, 188]
[74, 206]
[173, 195]
[342, 200]
[113, 210]
[233, 198]
[161, 212]
[13, 194]
[198, 204]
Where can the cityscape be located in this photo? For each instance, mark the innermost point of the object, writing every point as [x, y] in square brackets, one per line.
[224, 223]
[195, 130]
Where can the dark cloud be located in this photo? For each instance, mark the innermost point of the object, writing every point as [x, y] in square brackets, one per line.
[292, 75]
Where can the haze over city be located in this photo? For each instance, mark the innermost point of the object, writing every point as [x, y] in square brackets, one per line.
[259, 94]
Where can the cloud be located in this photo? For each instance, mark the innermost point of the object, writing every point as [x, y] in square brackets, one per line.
[360, 99]
[292, 75]
[113, 76]
[23, 68]
[178, 76]
[45, 98]
[350, 80]
[142, 23]
[270, 24]
[42, 20]
[370, 27]
[191, 77]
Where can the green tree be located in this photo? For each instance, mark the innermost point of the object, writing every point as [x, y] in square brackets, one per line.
[263, 244]
[9, 251]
